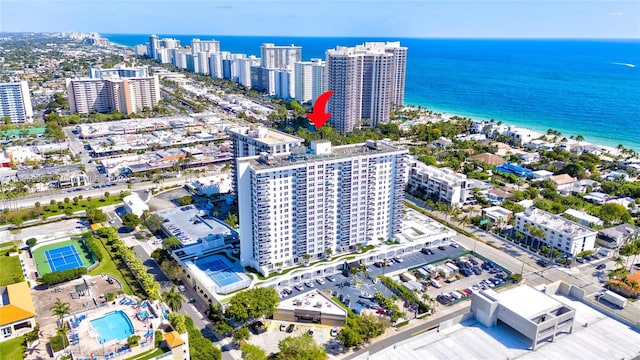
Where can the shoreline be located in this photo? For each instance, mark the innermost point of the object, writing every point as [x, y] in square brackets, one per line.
[447, 115]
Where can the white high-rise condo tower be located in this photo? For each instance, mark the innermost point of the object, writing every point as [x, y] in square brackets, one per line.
[15, 102]
[306, 202]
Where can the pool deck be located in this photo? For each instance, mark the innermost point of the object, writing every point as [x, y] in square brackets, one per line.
[88, 345]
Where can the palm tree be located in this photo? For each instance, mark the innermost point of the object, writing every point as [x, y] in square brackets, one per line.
[60, 309]
[619, 261]
[627, 250]
[173, 299]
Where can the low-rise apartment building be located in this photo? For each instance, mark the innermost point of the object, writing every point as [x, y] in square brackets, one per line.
[445, 184]
[560, 233]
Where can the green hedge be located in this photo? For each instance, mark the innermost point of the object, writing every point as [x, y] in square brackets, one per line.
[58, 343]
[58, 277]
[93, 245]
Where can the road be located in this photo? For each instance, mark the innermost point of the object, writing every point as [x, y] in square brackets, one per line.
[405, 334]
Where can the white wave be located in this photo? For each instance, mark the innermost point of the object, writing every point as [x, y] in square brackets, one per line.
[625, 64]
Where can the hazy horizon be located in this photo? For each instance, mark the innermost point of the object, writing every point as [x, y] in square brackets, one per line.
[453, 19]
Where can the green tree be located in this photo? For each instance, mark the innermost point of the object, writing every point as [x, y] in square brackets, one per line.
[171, 242]
[252, 352]
[300, 348]
[241, 334]
[349, 337]
[613, 213]
[173, 299]
[95, 215]
[185, 200]
[201, 348]
[178, 322]
[253, 303]
[232, 220]
[31, 242]
[60, 308]
[130, 220]
[154, 223]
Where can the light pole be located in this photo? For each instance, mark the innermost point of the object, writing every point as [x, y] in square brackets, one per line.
[102, 343]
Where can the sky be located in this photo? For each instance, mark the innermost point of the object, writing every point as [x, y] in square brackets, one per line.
[359, 18]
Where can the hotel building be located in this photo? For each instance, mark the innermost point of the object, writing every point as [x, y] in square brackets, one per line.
[447, 185]
[307, 202]
[367, 80]
[15, 102]
[126, 95]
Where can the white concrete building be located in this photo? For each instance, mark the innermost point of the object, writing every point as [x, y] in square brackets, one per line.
[584, 218]
[127, 95]
[310, 80]
[285, 86]
[329, 197]
[211, 185]
[15, 102]
[119, 71]
[530, 312]
[134, 205]
[244, 69]
[449, 186]
[252, 141]
[279, 56]
[367, 80]
[198, 45]
[560, 233]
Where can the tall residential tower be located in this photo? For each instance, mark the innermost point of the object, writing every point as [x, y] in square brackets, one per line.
[307, 202]
[367, 80]
[15, 102]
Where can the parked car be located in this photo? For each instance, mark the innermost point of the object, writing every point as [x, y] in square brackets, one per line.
[320, 281]
[308, 284]
[182, 288]
[331, 278]
[334, 332]
[580, 260]
[426, 251]
[288, 291]
[441, 248]
[601, 267]
[398, 260]
[454, 245]
[299, 287]
[477, 270]
[290, 328]
[283, 327]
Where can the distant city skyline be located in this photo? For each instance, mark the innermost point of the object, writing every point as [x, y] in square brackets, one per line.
[359, 18]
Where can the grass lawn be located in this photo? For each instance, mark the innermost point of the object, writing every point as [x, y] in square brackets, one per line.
[147, 355]
[62, 207]
[107, 266]
[10, 271]
[41, 260]
[12, 349]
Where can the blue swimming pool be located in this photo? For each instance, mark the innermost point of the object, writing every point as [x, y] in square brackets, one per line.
[115, 325]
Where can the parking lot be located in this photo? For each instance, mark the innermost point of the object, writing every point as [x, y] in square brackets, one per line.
[356, 291]
[276, 331]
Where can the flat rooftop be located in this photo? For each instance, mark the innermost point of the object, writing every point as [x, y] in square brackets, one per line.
[556, 222]
[337, 153]
[189, 224]
[526, 301]
[603, 338]
[266, 135]
[313, 301]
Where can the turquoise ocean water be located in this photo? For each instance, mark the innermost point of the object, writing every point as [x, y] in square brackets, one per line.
[586, 87]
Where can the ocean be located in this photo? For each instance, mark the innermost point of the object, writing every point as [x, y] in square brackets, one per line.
[578, 87]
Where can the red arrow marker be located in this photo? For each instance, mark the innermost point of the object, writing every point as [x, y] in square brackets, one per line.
[318, 116]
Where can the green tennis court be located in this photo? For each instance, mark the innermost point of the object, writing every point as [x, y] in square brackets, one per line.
[44, 261]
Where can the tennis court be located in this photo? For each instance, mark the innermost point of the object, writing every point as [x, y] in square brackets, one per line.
[59, 256]
[218, 271]
[63, 258]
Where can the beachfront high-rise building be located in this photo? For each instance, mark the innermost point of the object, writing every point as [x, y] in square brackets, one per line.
[307, 202]
[154, 45]
[126, 95]
[120, 71]
[169, 43]
[15, 102]
[310, 80]
[279, 57]
[244, 69]
[285, 86]
[252, 141]
[367, 81]
[198, 45]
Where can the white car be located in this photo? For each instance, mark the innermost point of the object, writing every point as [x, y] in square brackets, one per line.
[334, 332]
[182, 288]
[320, 281]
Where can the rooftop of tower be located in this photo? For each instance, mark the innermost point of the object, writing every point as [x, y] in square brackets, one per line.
[322, 150]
